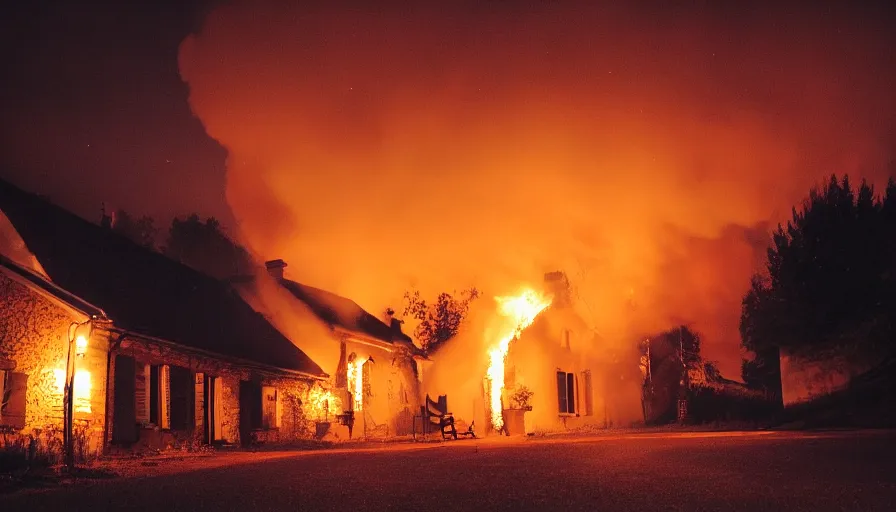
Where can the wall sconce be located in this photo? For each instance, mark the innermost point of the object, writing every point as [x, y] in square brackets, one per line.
[80, 345]
[81, 336]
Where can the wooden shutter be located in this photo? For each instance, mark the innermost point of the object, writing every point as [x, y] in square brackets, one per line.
[342, 368]
[589, 394]
[268, 407]
[14, 408]
[199, 400]
[219, 409]
[141, 393]
[278, 409]
[562, 399]
[571, 392]
[165, 396]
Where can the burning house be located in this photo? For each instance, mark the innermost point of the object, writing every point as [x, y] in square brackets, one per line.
[372, 363]
[173, 357]
[538, 373]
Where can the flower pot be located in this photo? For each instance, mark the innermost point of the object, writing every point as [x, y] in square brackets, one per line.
[515, 422]
[321, 428]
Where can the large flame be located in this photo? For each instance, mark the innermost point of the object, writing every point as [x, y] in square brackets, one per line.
[356, 383]
[520, 311]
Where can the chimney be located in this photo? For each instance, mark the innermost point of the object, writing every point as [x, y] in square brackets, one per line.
[275, 268]
[556, 284]
[393, 323]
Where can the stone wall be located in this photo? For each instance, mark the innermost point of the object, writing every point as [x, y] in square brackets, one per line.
[34, 336]
[296, 422]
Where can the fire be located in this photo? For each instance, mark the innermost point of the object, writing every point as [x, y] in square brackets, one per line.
[520, 311]
[356, 382]
[322, 403]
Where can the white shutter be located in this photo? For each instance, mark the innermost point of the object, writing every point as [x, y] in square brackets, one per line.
[165, 396]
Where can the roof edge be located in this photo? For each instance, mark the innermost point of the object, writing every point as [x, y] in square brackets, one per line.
[53, 291]
[235, 360]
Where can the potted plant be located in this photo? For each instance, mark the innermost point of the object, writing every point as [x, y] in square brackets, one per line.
[522, 398]
[520, 404]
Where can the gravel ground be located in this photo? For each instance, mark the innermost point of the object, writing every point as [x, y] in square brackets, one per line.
[652, 471]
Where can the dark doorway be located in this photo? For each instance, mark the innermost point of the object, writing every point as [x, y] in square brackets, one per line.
[124, 418]
[181, 398]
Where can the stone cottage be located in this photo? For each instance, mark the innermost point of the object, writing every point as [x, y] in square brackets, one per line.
[554, 358]
[181, 358]
[373, 365]
[38, 322]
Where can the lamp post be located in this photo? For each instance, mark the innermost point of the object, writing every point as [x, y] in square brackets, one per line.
[77, 343]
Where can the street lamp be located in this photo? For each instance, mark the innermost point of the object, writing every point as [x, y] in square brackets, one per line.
[78, 339]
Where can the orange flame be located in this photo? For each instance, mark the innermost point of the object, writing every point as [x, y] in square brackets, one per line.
[520, 311]
[356, 383]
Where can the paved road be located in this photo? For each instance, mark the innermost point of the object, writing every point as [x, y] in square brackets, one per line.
[771, 471]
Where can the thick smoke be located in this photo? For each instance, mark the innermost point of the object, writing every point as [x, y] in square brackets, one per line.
[643, 152]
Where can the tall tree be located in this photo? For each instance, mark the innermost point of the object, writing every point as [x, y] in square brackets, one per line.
[828, 292]
[141, 230]
[438, 321]
[204, 246]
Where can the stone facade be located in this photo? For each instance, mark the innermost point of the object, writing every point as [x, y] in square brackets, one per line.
[238, 403]
[34, 337]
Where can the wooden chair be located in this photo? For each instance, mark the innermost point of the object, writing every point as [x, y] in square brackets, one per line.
[435, 414]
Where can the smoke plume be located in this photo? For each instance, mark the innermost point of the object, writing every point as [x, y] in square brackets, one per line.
[643, 151]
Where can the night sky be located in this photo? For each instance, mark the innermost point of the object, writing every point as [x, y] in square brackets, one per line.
[95, 110]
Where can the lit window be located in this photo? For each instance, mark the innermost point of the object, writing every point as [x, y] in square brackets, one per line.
[82, 391]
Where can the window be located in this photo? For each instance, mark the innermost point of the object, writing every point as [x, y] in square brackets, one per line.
[566, 393]
[565, 338]
[269, 417]
[12, 398]
[154, 407]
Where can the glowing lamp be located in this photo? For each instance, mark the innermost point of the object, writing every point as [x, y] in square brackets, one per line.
[80, 345]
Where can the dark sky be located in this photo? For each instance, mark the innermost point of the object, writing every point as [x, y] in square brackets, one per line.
[94, 109]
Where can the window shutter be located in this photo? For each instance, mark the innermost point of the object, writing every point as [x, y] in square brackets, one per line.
[365, 380]
[342, 368]
[219, 408]
[165, 397]
[589, 394]
[278, 410]
[199, 403]
[561, 393]
[14, 407]
[141, 395]
[571, 392]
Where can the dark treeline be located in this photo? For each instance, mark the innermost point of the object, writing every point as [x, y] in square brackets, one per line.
[828, 293]
[197, 243]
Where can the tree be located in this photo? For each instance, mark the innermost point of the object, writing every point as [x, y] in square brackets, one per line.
[140, 230]
[438, 321]
[204, 246]
[828, 293]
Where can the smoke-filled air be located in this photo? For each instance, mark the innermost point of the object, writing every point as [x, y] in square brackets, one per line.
[644, 153]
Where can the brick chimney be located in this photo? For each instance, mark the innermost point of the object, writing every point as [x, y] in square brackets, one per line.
[557, 284]
[275, 268]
